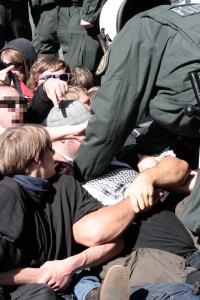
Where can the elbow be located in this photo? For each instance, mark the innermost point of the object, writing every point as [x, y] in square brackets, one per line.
[91, 234]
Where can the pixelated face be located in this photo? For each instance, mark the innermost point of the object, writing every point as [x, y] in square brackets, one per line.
[12, 111]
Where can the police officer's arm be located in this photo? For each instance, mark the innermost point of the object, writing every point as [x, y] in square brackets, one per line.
[123, 95]
[91, 10]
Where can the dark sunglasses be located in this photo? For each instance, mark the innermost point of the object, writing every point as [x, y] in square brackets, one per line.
[64, 77]
[15, 64]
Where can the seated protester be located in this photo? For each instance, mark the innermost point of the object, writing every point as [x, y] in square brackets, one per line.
[21, 54]
[108, 188]
[78, 93]
[81, 76]
[13, 111]
[50, 209]
[47, 67]
[48, 205]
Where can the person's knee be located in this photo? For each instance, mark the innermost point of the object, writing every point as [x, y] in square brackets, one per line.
[34, 292]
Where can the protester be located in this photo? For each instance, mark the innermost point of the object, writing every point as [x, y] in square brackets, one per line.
[22, 181]
[81, 76]
[44, 67]
[21, 54]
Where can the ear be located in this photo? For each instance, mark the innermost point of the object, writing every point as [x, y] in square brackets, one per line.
[36, 159]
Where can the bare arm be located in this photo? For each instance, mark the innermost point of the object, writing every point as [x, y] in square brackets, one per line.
[188, 185]
[168, 174]
[65, 131]
[104, 225]
[108, 223]
[58, 273]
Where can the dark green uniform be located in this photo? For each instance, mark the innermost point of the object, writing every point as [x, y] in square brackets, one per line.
[148, 65]
[58, 25]
[14, 21]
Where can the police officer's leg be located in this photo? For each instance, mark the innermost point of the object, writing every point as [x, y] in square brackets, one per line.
[20, 20]
[3, 24]
[79, 46]
[45, 39]
[34, 292]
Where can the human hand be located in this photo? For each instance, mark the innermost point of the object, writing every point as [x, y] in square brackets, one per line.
[4, 77]
[55, 90]
[146, 162]
[86, 24]
[142, 193]
[57, 274]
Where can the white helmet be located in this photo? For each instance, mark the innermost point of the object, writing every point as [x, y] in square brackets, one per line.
[108, 18]
[115, 13]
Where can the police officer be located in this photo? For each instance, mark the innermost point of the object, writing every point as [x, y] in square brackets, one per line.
[146, 67]
[71, 25]
[14, 20]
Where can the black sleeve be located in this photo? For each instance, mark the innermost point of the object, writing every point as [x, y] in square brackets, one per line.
[39, 107]
[10, 256]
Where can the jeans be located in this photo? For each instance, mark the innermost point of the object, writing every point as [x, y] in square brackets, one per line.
[163, 291]
[83, 282]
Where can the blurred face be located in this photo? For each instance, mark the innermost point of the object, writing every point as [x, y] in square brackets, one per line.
[12, 108]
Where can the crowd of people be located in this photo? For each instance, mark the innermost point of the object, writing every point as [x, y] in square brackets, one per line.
[92, 205]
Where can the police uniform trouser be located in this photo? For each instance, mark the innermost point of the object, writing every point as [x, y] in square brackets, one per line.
[14, 21]
[59, 26]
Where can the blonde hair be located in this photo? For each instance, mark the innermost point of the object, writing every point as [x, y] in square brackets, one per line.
[12, 55]
[44, 64]
[19, 146]
[81, 76]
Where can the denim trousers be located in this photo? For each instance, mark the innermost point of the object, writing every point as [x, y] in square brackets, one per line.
[163, 291]
[82, 283]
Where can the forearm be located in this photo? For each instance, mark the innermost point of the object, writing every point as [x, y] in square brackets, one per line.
[20, 276]
[65, 131]
[188, 185]
[96, 255]
[170, 172]
[104, 225]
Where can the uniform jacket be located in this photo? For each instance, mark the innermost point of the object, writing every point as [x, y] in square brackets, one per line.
[146, 68]
[91, 8]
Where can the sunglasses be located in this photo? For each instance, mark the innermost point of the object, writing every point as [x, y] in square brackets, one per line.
[15, 64]
[64, 77]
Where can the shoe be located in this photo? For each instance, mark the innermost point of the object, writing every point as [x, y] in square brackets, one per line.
[116, 286]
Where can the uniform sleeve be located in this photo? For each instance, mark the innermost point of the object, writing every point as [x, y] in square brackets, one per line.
[92, 9]
[123, 95]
